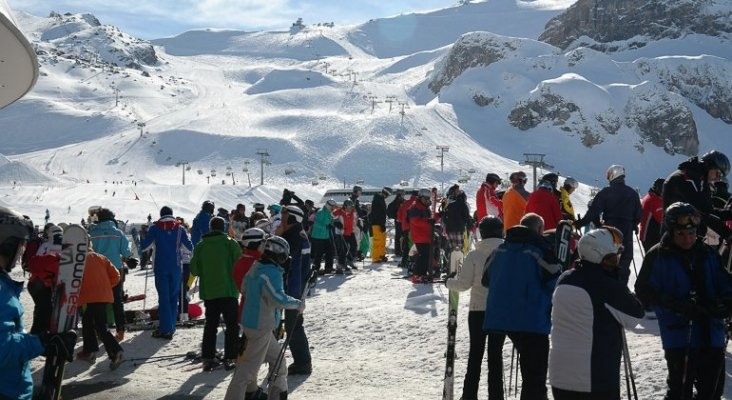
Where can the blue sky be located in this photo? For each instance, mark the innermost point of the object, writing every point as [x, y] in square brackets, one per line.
[150, 19]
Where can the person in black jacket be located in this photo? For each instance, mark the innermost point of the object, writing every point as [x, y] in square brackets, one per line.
[691, 184]
[620, 207]
[456, 221]
[391, 211]
[377, 219]
[590, 309]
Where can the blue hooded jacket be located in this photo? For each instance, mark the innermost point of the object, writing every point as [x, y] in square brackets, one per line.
[200, 226]
[167, 235]
[110, 242]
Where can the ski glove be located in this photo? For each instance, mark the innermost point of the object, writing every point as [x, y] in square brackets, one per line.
[59, 344]
[688, 309]
[301, 309]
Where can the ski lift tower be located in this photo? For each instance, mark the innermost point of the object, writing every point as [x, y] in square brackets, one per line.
[184, 166]
[535, 160]
[263, 157]
[442, 149]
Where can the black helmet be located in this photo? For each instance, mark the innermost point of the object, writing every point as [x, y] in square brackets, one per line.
[492, 178]
[347, 203]
[105, 214]
[551, 177]
[208, 206]
[681, 216]
[258, 207]
[716, 159]
[657, 187]
[357, 189]
[14, 229]
[490, 227]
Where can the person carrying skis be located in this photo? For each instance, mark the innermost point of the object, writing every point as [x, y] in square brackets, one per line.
[201, 222]
[544, 202]
[18, 346]
[520, 277]
[168, 236]
[296, 279]
[420, 229]
[651, 215]
[487, 202]
[569, 186]
[469, 277]
[457, 222]
[619, 205]
[590, 308]
[377, 219]
[112, 243]
[43, 268]
[97, 287]
[265, 297]
[514, 200]
[322, 244]
[683, 281]
[213, 262]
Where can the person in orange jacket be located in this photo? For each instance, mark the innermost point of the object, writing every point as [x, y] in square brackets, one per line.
[514, 200]
[100, 276]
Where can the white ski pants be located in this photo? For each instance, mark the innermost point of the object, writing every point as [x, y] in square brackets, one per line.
[259, 349]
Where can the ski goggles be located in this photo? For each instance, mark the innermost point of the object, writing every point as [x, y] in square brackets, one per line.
[687, 221]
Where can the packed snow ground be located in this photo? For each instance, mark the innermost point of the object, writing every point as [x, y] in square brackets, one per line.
[372, 336]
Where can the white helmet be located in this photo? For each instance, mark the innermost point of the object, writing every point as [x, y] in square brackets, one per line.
[615, 171]
[252, 237]
[263, 224]
[571, 182]
[277, 249]
[296, 212]
[597, 244]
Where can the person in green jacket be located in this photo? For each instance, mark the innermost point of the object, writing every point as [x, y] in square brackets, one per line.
[322, 243]
[213, 260]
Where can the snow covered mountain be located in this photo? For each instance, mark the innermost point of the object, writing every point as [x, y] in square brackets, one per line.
[325, 101]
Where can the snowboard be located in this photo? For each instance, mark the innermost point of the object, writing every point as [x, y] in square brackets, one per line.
[64, 300]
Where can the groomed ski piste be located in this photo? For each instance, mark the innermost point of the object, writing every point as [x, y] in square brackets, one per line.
[371, 337]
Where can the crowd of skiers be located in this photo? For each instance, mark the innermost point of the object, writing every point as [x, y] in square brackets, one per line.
[568, 324]
[565, 324]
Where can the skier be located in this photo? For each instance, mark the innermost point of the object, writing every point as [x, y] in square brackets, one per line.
[224, 214]
[239, 222]
[520, 278]
[296, 277]
[265, 296]
[469, 277]
[43, 268]
[420, 229]
[391, 211]
[691, 184]
[338, 241]
[487, 203]
[113, 244]
[97, 287]
[167, 235]
[250, 243]
[569, 186]
[544, 202]
[514, 200]
[683, 281]
[201, 222]
[590, 309]
[321, 237]
[18, 346]
[348, 215]
[377, 219]
[620, 207]
[652, 215]
[185, 262]
[404, 221]
[457, 222]
[213, 261]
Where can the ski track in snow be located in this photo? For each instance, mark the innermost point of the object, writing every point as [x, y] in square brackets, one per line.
[371, 337]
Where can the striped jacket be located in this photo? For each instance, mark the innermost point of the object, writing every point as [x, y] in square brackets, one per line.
[265, 295]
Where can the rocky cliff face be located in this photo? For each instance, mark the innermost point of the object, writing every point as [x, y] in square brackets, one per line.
[608, 21]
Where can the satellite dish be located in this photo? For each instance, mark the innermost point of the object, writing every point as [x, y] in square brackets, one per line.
[19, 69]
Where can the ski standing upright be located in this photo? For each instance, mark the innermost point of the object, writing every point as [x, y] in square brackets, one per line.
[448, 391]
[65, 297]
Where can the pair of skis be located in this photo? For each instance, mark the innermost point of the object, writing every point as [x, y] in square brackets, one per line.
[453, 298]
[65, 301]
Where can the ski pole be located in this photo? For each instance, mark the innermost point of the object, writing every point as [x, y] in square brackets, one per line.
[158, 358]
[640, 245]
[634, 268]
[515, 386]
[688, 346]
[510, 370]
[629, 377]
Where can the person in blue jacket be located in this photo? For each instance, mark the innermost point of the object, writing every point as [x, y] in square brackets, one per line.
[168, 236]
[113, 244]
[201, 222]
[683, 281]
[520, 277]
[19, 347]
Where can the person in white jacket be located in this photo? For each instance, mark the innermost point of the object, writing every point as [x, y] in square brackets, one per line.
[469, 277]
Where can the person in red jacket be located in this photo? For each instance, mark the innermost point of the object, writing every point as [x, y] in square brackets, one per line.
[348, 216]
[420, 228]
[250, 243]
[487, 202]
[652, 215]
[404, 221]
[542, 201]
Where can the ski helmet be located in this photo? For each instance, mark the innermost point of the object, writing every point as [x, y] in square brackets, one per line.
[208, 206]
[681, 216]
[166, 211]
[15, 230]
[296, 212]
[331, 203]
[263, 224]
[571, 182]
[716, 159]
[517, 177]
[252, 238]
[387, 191]
[614, 172]
[357, 189]
[424, 193]
[105, 214]
[259, 207]
[490, 227]
[276, 249]
[552, 178]
[597, 244]
[275, 208]
[493, 178]
[348, 203]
